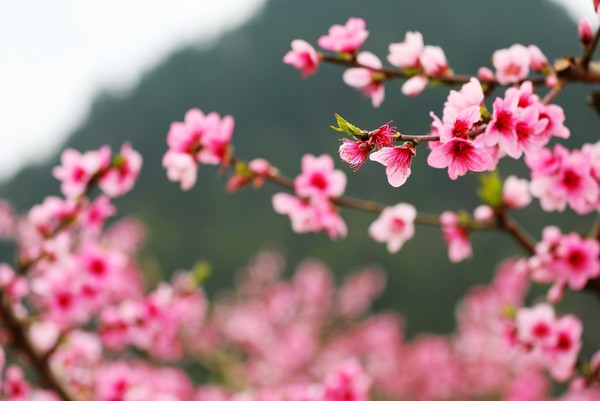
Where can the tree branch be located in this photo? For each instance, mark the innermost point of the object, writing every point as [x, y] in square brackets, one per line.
[18, 331]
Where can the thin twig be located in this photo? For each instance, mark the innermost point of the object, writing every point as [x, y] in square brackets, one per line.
[589, 51]
[20, 337]
[515, 230]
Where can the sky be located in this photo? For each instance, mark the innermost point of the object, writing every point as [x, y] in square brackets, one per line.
[55, 56]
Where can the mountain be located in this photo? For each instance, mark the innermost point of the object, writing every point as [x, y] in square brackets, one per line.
[280, 116]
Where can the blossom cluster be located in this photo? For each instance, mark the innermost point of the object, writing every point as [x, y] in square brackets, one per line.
[199, 138]
[552, 342]
[313, 209]
[560, 178]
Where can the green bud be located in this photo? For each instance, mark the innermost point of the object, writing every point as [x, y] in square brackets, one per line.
[201, 271]
[345, 126]
[490, 190]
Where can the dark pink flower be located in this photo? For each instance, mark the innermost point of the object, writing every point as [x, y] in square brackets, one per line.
[460, 156]
[397, 160]
[355, 153]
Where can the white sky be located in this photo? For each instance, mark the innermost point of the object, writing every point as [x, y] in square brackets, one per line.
[56, 55]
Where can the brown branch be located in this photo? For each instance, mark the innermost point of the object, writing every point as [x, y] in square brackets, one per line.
[571, 69]
[515, 230]
[589, 51]
[20, 337]
[398, 73]
[554, 92]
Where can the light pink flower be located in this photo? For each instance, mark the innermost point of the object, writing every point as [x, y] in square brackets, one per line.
[414, 85]
[345, 38]
[77, 169]
[515, 192]
[397, 160]
[123, 172]
[181, 167]
[537, 59]
[470, 94]
[512, 64]
[406, 54]
[395, 225]
[483, 214]
[307, 216]
[433, 60]
[485, 74]
[303, 57]
[460, 156]
[535, 326]
[319, 179]
[95, 214]
[456, 237]
[368, 81]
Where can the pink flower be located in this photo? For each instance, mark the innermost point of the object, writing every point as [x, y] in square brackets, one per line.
[368, 81]
[460, 126]
[348, 383]
[396, 160]
[181, 167]
[576, 261]
[319, 179]
[77, 169]
[537, 59]
[501, 129]
[572, 184]
[96, 213]
[15, 387]
[433, 60]
[406, 54]
[512, 64]
[347, 39]
[383, 136]
[415, 85]
[456, 237]
[483, 214]
[307, 216]
[123, 172]
[515, 192]
[303, 57]
[567, 344]
[460, 156]
[485, 74]
[355, 153]
[395, 225]
[199, 138]
[535, 326]
[470, 94]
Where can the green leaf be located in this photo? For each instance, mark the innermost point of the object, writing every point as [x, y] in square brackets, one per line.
[345, 126]
[201, 271]
[490, 190]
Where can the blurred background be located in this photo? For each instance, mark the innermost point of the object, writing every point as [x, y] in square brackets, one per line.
[82, 74]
